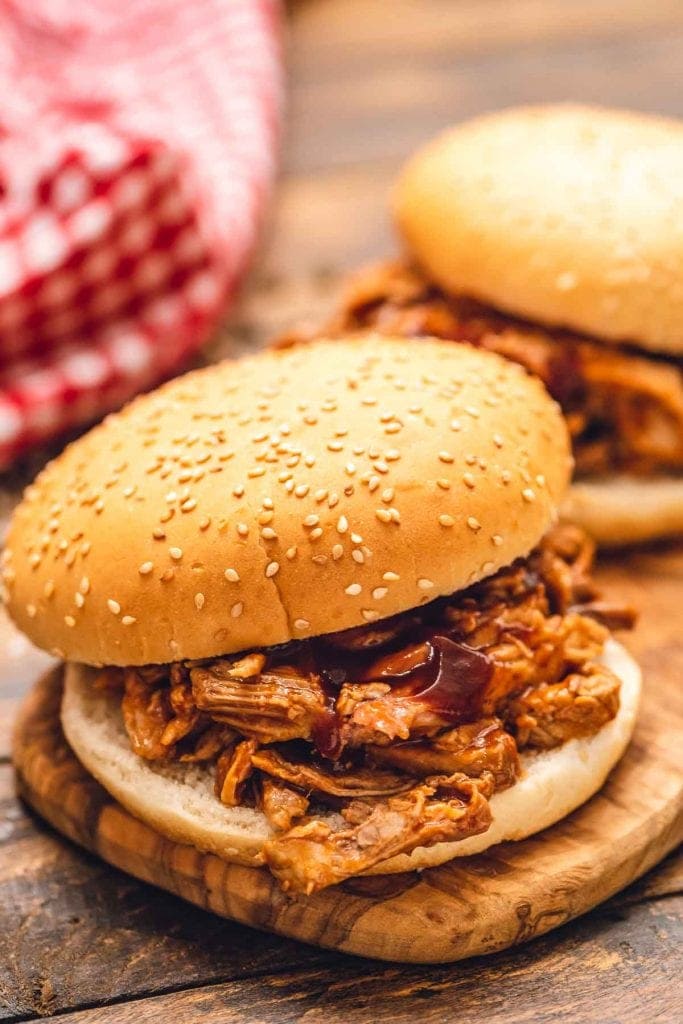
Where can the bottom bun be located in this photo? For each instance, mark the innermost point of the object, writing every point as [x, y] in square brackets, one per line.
[178, 800]
[626, 510]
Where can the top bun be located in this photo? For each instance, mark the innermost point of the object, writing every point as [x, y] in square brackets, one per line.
[567, 215]
[282, 496]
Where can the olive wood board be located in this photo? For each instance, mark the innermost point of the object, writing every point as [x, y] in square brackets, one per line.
[468, 907]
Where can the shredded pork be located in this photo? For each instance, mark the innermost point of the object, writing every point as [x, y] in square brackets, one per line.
[404, 728]
[624, 410]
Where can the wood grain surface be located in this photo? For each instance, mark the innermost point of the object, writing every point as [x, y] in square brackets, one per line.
[471, 906]
[80, 938]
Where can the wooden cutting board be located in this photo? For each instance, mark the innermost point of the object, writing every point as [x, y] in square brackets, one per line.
[467, 907]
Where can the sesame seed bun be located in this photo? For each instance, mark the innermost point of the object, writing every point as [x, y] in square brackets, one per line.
[282, 496]
[623, 510]
[568, 215]
[178, 800]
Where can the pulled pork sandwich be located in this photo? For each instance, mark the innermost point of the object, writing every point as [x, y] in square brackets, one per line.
[312, 614]
[552, 236]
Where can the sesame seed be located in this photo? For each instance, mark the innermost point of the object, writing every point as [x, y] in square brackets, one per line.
[358, 556]
[381, 466]
[497, 540]
[369, 614]
[242, 529]
[268, 533]
[199, 601]
[391, 577]
[468, 480]
[237, 610]
[49, 588]
[290, 553]
[335, 446]
[265, 517]
[528, 494]
[353, 589]
[238, 491]
[456, 425]
[314, 534]
[113, 606]
[167, 574]
[35, 560]
[425, 584]
[487, 568]
[146, 568]
[128, 620]
[473, 523]
[498, 440]
[256, 471]
[444, 484]
[158, 533]
[31, 611]
[332, 500]
[373, 483]
[79, 600]
[272, 568]
[506, 476]
[350, 468]
[176, 553]
[446, 520]
[540, 480]
[321, 494]
[84, 585]
[379, 592]
[445, 457]
[85, 547]
[472, 411]
[188, 505]
[337, 552]
[342, 524]
[388, 494]
[311, 520]
[301, 624]
[301, 490]
[232, 575]
[70, 621]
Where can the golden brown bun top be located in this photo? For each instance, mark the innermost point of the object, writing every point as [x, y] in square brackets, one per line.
[567, 215]
[282, 496]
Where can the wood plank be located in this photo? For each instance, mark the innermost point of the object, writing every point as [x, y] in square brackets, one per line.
[623, 967]
[74, 931]
[396, 100]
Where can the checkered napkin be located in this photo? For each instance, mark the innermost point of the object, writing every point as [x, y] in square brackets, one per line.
[136, 151]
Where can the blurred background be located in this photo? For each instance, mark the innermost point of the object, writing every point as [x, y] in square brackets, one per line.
[359, 85]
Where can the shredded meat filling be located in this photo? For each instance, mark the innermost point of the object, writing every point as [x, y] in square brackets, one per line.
[314, 855]
[404, 727]
[624, 410]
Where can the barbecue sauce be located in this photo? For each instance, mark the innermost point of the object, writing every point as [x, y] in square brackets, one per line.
[448, 676]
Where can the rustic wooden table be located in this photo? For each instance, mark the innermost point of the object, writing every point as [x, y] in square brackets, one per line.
[369, 79]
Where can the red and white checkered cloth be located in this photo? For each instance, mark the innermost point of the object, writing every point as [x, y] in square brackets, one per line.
[136, 150]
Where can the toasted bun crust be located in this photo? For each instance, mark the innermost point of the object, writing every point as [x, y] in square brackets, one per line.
[620, 510]
[178, 800]
[568, 215]
[334, 483]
